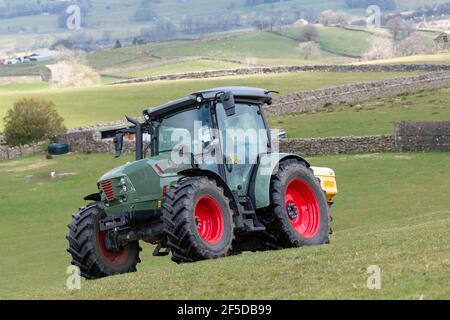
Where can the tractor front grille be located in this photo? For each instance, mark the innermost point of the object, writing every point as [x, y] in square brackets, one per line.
[107, 188]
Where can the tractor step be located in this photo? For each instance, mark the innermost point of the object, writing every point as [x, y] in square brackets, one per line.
[158, 253]
[249, 226]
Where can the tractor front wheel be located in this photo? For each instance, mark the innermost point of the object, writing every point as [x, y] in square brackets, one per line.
[89, 251]
[198, 221]
[299, 214]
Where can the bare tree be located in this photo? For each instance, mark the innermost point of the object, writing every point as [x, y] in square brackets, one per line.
[416, 43]
[309, 50]
[381, 48]
[400, 29]
[328, 17]
[342, 18]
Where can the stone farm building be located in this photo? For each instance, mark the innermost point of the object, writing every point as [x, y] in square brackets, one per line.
[442, 41]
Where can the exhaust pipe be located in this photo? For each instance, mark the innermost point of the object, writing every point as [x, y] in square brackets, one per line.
[139, 138]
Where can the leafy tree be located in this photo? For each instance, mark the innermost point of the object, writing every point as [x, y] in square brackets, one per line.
[309, 33]
[32, 120]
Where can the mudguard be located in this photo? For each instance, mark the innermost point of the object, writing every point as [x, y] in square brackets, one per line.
[267, 167]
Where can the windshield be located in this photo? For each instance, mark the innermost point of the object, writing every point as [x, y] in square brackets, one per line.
[182, 128]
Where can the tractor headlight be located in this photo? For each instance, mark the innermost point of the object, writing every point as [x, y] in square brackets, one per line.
[123, 185]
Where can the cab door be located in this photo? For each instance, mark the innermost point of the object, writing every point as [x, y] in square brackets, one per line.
[243, 138]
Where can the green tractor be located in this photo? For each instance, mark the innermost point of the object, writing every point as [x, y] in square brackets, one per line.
[207, 182]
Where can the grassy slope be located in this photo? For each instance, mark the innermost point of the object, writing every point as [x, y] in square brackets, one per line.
[372, 117]
[83, 106]
[390, 211]
[253, 44]
[115, 17]
[179, 67]
[338, 40]
[260, 47]
[438, 58]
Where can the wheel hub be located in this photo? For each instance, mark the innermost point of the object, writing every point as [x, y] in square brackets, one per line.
[302, 208]
[292, 211]
[208, 219]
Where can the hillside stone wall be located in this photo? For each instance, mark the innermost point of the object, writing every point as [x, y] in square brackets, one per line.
[339, 145]
[423, 136]
[292, 69]
[7, 152]
[408, 136]
[358, 92]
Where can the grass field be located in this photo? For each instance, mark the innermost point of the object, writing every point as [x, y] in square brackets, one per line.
[338, 40]
[372, 117]
[391, 211]
[252, 44]
[179, 67]
[438, 58]
[81, 106]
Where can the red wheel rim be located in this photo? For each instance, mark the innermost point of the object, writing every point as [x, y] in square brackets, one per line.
[115, 258]
[302, 208]
[209, 219]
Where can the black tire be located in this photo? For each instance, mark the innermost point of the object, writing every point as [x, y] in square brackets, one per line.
[276, 217]
[180, 224]
[85, 248]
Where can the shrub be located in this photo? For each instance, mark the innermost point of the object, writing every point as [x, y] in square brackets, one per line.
[32, 120]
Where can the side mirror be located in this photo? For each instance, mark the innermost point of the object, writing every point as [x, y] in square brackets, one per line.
[228, 103]
[118, 141]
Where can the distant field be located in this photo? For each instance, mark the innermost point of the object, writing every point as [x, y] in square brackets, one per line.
[180, 67]
[438, 58]
[373, 117]
[253, 45]
[387, 202]
[116, 18]
[338, 40]
[412, 4]
[11, 87]
[81, 106]
[25, 69]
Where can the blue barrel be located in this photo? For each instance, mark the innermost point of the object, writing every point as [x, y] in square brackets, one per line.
[57, 149]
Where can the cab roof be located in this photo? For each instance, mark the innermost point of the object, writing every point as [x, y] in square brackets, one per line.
[246, 94]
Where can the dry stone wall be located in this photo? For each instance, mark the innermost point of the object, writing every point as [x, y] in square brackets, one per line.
[357, 92]
[423, 136]
[293, 69]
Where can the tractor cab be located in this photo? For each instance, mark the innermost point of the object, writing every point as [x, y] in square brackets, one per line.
[220, 130]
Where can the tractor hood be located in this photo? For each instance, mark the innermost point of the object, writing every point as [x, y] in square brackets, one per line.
[138, 186]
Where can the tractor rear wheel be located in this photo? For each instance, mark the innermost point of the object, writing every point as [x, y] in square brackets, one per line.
[198, 221]
[299, 214]
[88, 249]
